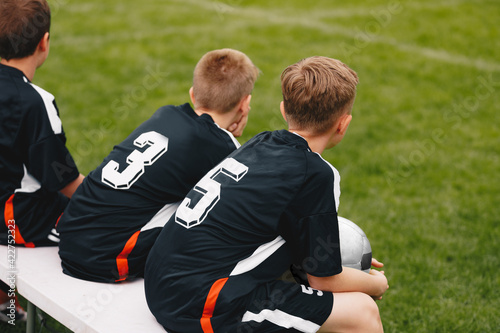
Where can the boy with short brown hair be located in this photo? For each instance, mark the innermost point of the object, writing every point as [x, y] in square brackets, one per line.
[37, 173]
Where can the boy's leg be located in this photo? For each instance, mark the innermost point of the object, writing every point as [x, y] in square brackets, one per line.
[35, 217]
[280, 305]
[353, 312]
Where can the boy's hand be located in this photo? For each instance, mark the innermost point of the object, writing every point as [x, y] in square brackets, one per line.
[376, 263]
[380, 275]
[237, 128]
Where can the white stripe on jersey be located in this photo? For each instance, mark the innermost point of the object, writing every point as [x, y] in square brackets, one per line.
[54, 236]
[28, 184]
[282, 319]
[336, 182]
[48, 100]
[161, 218]
[259, 256]
[336, 178]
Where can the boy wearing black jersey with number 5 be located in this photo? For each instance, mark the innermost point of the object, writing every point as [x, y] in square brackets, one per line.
[270, 204]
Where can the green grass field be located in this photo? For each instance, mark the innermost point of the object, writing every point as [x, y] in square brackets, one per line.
[420, 163]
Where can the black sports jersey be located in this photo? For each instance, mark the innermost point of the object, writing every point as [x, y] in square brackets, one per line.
[34, 161]
[116, 214]
[270, 203]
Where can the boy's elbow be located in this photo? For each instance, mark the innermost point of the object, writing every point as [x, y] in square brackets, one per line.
[71, 187]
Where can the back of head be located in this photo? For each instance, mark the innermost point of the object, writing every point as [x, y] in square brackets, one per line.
[23, 23]
[316, 91]
[222, 78]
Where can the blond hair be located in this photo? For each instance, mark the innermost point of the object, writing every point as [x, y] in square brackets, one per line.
[222, 78]
[316, 91]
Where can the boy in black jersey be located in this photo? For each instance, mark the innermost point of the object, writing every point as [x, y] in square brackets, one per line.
[270, 204]
[37, 173]
[115, 216]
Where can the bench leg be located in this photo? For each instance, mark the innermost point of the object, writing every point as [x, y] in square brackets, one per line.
[30, 324]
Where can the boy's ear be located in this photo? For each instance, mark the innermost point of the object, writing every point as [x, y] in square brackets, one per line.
[282, 109]
[245, 104]
[191, 95]
[42, 50]
[43, 45]
[343, 124]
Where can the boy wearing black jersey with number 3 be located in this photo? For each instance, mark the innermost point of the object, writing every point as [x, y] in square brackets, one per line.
[115, 216]
[271, 203]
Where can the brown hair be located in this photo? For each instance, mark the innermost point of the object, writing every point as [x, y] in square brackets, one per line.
[316, 91]
[23, 23]
[222, 78]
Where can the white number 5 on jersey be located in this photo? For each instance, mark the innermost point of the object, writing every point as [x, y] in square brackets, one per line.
[210, 191]
[137, 161]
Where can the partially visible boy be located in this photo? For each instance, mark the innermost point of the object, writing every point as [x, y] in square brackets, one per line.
[117, 213]
[271, 203]
[37, 173]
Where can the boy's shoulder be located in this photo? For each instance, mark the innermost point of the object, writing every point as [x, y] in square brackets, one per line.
[22, 100]
[279, 138]
[286, 152]
[11, 75]
[175, 118]
[14, 85]
[170, 108]
[182, 124]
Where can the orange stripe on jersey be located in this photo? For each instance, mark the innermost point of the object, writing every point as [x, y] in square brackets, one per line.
[122, 259]
[208, 310]
[57, 222]
[9, 216]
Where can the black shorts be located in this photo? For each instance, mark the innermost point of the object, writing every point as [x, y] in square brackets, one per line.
[277, 306]
[32, 218]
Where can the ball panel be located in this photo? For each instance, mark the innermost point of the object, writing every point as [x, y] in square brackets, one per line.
[366, 262]
[355, 248]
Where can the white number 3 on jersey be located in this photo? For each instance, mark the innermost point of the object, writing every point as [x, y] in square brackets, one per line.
[137, 161]
[210, 190]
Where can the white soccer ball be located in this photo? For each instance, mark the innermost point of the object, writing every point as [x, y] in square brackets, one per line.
[355, 248]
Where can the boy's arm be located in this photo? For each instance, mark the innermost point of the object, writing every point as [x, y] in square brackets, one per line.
[352, 280]
[69, 189]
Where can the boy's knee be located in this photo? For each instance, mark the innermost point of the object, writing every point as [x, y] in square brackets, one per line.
[353, 312]
[370, 315]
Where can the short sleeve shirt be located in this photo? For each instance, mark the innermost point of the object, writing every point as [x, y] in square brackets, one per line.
[135, 187]
[270, 193]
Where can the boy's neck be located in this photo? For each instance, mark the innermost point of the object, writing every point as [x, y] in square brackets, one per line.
[317, 143]
[26, 65]
[222, 119]
[328, 139]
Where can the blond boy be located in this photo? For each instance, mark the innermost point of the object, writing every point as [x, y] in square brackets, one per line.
[116, 214]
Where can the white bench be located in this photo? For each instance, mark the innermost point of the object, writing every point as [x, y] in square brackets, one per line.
[81, 306]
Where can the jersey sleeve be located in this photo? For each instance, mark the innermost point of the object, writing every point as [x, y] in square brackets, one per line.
[310, 226]
[48, 158]
[51, 163]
